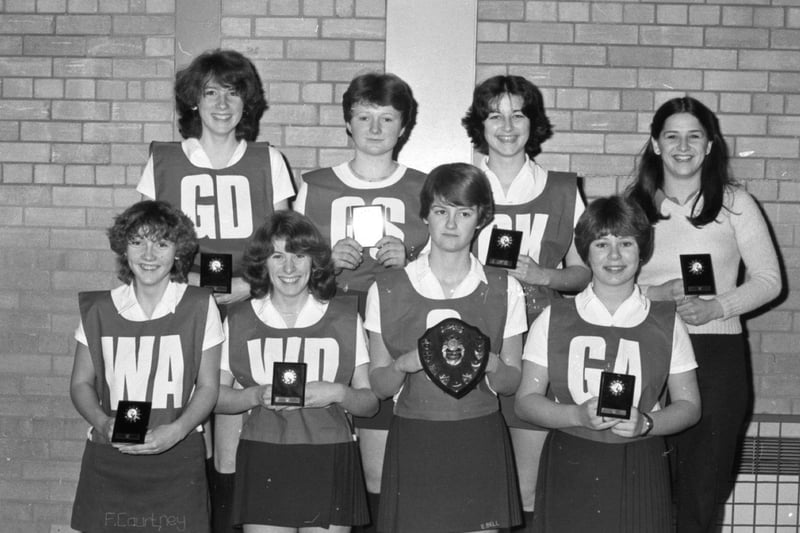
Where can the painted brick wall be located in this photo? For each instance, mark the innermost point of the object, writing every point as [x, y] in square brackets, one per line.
[86, 85]
[78, 79]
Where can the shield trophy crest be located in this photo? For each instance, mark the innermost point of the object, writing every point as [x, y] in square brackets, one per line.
[454, 356]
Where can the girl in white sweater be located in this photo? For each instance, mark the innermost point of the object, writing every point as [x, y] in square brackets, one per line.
[684, 186]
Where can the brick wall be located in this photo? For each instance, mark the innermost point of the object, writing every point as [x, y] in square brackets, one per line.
[86, 84]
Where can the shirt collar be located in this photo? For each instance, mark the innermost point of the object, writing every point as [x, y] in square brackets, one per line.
[311, 312]
[660, 197]
[198, 157]
[526, 185]
[630, 313]
[525, 173]
[345, 173]
[124, 298]
[422, 268]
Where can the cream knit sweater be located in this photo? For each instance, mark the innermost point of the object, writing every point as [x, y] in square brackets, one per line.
[738, 235]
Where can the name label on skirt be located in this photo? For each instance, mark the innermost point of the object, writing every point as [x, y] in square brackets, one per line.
[152, 521]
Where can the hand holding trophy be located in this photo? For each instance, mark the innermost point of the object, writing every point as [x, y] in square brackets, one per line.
[454, 356]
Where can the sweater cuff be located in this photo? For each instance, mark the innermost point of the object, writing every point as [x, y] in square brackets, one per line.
[728, 303]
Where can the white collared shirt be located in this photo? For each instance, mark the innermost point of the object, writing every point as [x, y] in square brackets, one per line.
[632, 312]
[527, 185]
[124, 299]
[312, 311]
[424, 281]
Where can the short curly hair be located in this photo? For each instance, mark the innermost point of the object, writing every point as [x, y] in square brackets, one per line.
[485, 99]
[614, 215]
[154, 220]
[459, 184]
[229, 68]
[300, 236]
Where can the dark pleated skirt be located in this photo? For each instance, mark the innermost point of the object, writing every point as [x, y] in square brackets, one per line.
[585, 485]
[448, 476]
[163, 493]
[299, 485]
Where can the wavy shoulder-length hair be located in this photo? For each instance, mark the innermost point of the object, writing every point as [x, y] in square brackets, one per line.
[485, 100]
[229, 68]
[300, 236]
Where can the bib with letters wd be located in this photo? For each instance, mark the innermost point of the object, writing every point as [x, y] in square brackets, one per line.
[327, 347]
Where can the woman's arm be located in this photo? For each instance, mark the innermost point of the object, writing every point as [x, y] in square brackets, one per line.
[357, 398]
[669, 290]
[682, 412]
[503, 371]
[234, 400]
[534, 406]
[386, 375]
[684, 408]
[83, 393]
[240, 289]
[572, 278]
[391, 252]
[762, 282]
[575, 275]
[162, 438]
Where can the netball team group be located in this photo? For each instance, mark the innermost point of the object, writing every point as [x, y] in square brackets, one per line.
[376, 445]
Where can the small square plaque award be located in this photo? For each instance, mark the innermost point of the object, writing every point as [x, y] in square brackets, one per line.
[130, 424]
[616, 395]
[216, 272]
[289, 384]
[366, 224]
[504, 246]
[698, 275]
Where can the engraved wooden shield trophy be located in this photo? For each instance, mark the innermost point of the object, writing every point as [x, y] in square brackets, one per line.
[454, 356]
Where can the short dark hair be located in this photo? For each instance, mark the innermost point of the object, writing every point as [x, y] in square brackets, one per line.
[715, 175]
[485, 99]
[301, 236]
[459, 184]
[229, 68]
[154, 219]
[378, 89]
[614, 215]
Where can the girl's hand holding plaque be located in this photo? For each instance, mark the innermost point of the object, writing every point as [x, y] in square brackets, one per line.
[454, 356]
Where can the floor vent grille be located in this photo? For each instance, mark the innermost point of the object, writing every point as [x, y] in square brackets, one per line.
[766, 496]
[770, 455]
